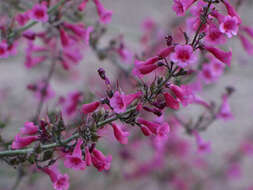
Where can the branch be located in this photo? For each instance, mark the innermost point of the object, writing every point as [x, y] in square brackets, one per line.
[64, 142]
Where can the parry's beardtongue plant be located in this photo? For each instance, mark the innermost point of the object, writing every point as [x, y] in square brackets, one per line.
[156, 86]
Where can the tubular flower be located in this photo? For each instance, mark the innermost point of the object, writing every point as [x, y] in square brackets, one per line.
[29, 129]
[21, 142]
[75, 160]
[171, 102]
[60, 181]
[119, 134]
[104, 15]
[91, 107]
[223, 56]
[100, 161]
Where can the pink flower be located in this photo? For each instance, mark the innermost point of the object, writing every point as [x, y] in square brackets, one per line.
[22, 18]
[247, 45]
[21, 142]
[203, 146]
[60, 181]
[234, 170]
[91, 107]
[118, 102]
[171, 102]
[231, 11]
[208, 74]
[119, 134]
[29, 129]
[129, 98]
[33, 61]
[248, 30]
[159, 129]
[223, 56]
[178, 91]
[87, 156]
[39, 13]
[214, 36]
[71, 103]
[181, 6]
[229, 26]
[183, 55]
[82, 6]
[166, 52]
[225, 110]
[44, 91]
[145, 67]
[65, 41]
[104, 15]
[145, 131]
[4, 50]
[100, 161]
[75, 161]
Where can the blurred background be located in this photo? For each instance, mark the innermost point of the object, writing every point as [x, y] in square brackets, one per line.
[128, 16]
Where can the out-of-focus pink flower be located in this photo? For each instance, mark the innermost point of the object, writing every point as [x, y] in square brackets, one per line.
[225, 110]
[100, 161]
[70, 104]
[39, 13]
[166, 52]
[21, 142]
[171, 102]
[214, 36]
[183, 55]
[64, 38]
[31, 61]
[234, 171]
[4, 50]
[75, 160]
[207, 73]
[118, 102]
[181, 6]
[87, 156]
[44, 91]
[60, 181]
[119, 134]
[223, 56]
[248, 30]
[22, 18]
[216, 14]
[247, 45]
[231, 11]
[203, 147]
[29, 128]
[91, 107]
[229, 26]
[82, 6]
[104, 15]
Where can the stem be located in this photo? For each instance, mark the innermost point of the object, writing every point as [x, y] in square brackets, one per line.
[31, 24]
[202, 22]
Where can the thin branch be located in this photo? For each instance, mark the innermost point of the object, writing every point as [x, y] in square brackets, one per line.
[44, 90]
